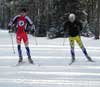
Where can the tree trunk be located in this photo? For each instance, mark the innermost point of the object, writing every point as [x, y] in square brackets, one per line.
[97, 30]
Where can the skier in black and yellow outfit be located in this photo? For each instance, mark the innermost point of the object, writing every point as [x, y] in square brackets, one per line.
[73, 28]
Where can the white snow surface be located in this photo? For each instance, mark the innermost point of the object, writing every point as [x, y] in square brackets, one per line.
[51, 67]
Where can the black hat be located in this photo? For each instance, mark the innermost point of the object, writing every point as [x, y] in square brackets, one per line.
[23, 10]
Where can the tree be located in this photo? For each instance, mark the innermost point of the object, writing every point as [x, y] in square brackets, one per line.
[45, 13]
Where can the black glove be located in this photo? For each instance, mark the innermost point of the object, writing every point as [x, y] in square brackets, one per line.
[32, 31]
[26, 30]
[10, 29]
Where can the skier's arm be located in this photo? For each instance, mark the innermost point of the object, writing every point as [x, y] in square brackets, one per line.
[10, 25]
[32, 26]
[12, 22]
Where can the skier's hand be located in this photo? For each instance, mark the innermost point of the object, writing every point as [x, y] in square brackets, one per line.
[26, 30]
[66, 35]
[9, 27]
[10, 31]
[32, 31]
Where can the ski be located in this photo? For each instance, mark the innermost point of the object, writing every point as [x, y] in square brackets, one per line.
[26, 64]
[34, 64]
[71, 62]
[19, 64]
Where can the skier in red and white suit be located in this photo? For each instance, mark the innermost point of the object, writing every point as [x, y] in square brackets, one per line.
[22, 21]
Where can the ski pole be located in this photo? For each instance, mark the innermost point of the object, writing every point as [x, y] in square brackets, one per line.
[64, 40]
[12, 43]
[33, 31]
[35, 39]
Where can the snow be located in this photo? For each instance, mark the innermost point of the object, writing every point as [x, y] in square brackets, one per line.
[51, 58]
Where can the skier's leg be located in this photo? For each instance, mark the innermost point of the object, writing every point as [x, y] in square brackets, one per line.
[86, 54]
[71, 40]
[79, 41]
[28, 51]
[25, 39]
[20, 53]
[18, 38]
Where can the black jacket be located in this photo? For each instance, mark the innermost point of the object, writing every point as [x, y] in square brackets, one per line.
[72, 29]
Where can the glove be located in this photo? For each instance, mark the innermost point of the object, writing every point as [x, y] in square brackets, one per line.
[32, 31]
[10, 29]
[26, 30]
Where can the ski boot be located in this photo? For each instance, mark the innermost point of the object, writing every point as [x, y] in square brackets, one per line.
[89, 58]
[30, 60]
[72, 61]
[20, 60]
